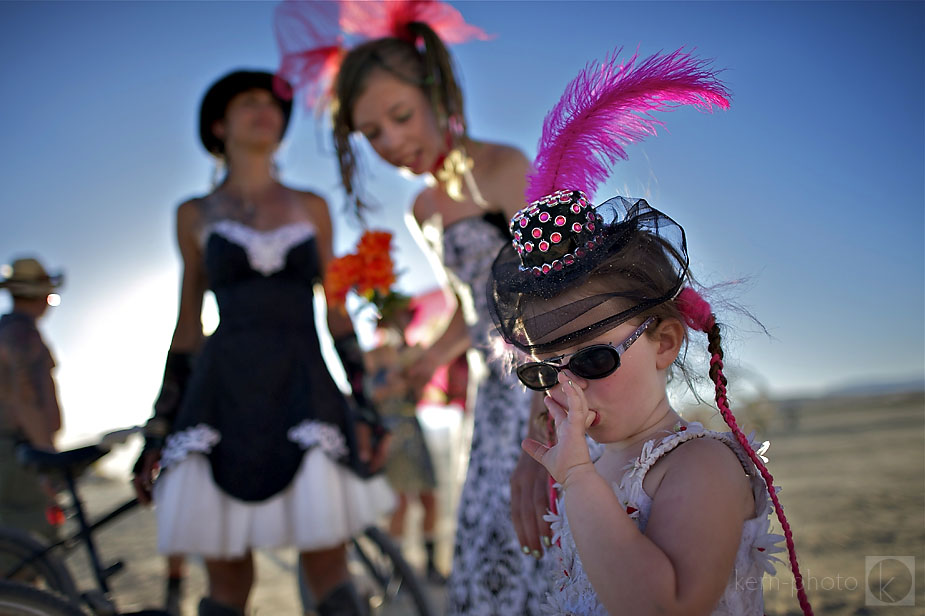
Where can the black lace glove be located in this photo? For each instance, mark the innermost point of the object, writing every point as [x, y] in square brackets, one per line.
[176, 377]
[348, 349]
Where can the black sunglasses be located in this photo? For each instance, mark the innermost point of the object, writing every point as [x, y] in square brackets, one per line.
[591, 362]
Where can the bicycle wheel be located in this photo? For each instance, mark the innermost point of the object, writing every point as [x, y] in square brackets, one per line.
[21, 600]
[386, 578]
[26, 560]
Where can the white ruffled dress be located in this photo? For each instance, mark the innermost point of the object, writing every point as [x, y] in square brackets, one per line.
[573, 594]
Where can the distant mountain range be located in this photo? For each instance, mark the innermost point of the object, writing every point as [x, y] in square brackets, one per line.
[876, 389]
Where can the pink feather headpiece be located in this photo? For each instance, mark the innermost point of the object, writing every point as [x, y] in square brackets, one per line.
[312, 36]
[609, 106]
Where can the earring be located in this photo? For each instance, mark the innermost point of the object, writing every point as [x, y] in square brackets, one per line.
[455, 125]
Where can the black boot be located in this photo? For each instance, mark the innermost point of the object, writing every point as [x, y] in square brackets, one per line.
[342, 601]
[174, 594]
[208, 607]
[433, 574]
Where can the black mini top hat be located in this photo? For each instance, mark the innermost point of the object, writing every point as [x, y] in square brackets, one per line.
[574, 270]
[215, 102]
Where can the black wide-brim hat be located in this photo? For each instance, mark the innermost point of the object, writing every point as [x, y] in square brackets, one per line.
[215, 102]
[575, 270]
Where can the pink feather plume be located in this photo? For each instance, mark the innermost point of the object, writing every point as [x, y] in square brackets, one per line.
[609, 106]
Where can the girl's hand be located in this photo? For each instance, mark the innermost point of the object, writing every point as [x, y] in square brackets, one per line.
[570, 453]
[145, 471]
[373, 456]
[420, 372]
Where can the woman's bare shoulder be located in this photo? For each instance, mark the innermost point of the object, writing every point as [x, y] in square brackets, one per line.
[315, 208]
[502, 158]
[308, 197]
[191, 213]
[504, 178]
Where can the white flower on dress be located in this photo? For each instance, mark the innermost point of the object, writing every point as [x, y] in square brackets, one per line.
[200, 438]
[765, 445]
[760, 450]
[764, 548]
[309, 433]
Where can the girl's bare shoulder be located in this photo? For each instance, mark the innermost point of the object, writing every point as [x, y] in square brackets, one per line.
[701, 464]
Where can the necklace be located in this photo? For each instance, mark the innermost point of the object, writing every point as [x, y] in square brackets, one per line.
[238, 208]
[249, 208]
[454, 170]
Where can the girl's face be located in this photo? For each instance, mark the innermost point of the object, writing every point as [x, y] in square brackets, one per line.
[397, 120]
[632, 398]
[253, 119]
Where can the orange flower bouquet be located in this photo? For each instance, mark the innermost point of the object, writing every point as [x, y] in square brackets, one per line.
[369, 272]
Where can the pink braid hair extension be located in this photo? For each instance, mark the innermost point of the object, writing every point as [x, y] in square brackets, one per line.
[698, 315]
[696, 311]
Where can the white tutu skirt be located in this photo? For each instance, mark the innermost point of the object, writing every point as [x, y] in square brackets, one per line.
[324, 506]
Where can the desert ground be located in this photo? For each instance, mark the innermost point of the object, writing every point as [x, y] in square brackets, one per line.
[851, 469]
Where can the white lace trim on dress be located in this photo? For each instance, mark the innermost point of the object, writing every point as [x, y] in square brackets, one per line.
[200, 438]
[266, 250]
[310, 433]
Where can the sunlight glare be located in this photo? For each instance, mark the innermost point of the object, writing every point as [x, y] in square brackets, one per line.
[110, 377]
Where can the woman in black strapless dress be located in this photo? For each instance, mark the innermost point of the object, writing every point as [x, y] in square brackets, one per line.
[257, 445]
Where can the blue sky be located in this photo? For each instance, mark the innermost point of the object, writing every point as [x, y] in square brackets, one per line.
[810, 187]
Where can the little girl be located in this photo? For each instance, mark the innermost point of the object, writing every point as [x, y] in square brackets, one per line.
[409, 467]
[669, 518]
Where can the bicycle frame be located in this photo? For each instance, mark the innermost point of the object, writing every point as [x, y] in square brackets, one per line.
[85, 532]
[69, 465]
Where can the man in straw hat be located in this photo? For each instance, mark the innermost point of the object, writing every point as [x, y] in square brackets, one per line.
[29, 409]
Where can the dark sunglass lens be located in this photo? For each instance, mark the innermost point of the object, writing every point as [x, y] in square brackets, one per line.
[538, 376]
[595, 362]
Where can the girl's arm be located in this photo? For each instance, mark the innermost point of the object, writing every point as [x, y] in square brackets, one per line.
[681, 565]
[187, 337]
[454, 341]
[683, 561]
[339, 322]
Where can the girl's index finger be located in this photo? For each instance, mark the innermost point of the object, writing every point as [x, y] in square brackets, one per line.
[577, 404]
[558, 411]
